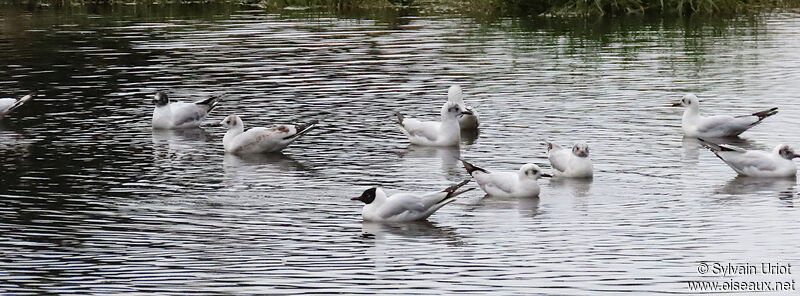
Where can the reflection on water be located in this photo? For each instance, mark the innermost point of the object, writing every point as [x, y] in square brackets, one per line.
[579, 187]
[782, 187]
[415, 230]
[447, 157]
[93, 201]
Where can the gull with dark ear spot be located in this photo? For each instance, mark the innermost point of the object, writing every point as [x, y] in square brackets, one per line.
[260, 139]
[465, 121]
[520, 184]
[719, 126]
[177, 115]
[406, 207]
[7, 105]
[434, 133]
[570, 164]
[755, 163]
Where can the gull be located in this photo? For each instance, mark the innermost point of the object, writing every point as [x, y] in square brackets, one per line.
[520, 184]
[465, 121]
[176, 115]
[10, 104]
[260, 139]
[405, 207]
[570, 164]
[719, 126]
[432, 133]
[756, 163]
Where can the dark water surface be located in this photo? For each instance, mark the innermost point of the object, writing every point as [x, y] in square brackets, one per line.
[93, 201]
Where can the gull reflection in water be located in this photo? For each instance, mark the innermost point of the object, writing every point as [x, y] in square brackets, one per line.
[271, 161]
[579, 187]
[449, 157]
[527, 206]
[784, 187]
[173, 144]
[469, 136]
[416, 229]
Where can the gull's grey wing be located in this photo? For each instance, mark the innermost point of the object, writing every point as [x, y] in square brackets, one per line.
[559, 158]
[401, 203]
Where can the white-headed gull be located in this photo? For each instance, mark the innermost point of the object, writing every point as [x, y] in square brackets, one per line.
[719, 126]
[465, 121]
[521, 184]
[570, 164]
[260, 139]
[175, 115]
[405, 207]
[9, 104]
[755, 163]
[434, 133]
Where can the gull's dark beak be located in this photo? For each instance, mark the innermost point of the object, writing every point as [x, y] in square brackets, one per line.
[467, 112]
[678, 104]
[795, 156]
[547, 175]
[356, 198]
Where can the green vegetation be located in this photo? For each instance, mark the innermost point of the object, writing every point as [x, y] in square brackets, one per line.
[471, 7]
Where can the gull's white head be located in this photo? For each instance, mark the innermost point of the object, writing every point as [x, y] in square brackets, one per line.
[531, 171]
[689, 101]
[161, 99]
[786, 151]
[452, 110]
[454, 94]
[580, 149]
[231, 121]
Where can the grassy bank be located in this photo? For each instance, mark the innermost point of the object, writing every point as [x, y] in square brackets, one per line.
[474, 7]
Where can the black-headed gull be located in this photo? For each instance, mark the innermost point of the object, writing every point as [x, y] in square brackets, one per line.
[719, 126]
[573, 163]
[434, 133]
[260, 139]
[755, 163]
[9, 104]
[520, 184]
[405, 207]
[465, 121]
[176, 115]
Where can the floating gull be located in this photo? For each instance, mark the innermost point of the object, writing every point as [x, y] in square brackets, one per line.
[405, 207]
[433, 133]
[176, 115]
[10, 104]
[465, 121]
[696, 125]
[756, 163]
[570, 164]
[520, 184]
[260, 139]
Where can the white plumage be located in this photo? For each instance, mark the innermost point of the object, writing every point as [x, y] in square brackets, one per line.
[405, 207]
[434, 133]
[7, 105]
[696, 125]
[755, 163]
[260, 139]
[573, 163]
[520, 184]
[177, 115]
[465, 121]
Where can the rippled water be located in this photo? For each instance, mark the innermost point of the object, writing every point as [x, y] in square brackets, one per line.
[93, 201]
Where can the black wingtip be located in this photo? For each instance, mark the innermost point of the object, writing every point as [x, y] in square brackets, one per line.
[471, 168]
[399, 117]
[766, 113]
[714, 147]
[302, 129]
[451, 191]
